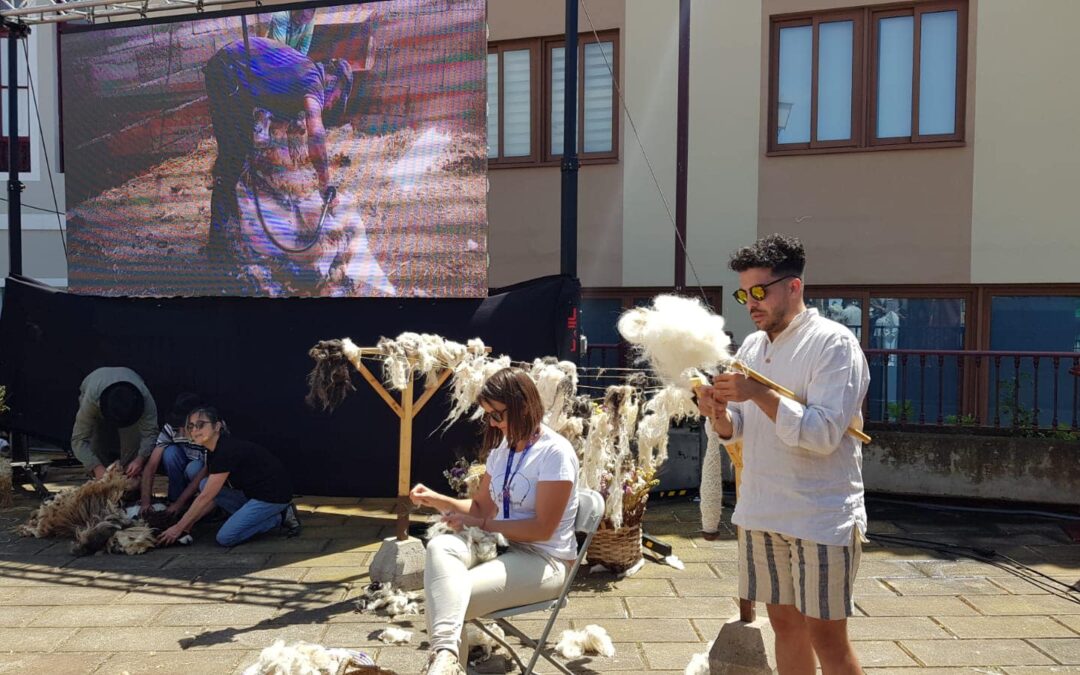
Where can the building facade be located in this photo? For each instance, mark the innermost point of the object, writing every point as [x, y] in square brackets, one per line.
[923, 151]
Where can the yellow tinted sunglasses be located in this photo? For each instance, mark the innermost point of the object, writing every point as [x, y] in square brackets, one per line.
[742, 295]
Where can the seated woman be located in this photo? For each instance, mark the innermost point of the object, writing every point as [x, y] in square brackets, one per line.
[244, 479]
[528, 494]
[183, 459]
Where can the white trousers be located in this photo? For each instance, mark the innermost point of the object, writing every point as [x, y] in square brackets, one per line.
[457, 589]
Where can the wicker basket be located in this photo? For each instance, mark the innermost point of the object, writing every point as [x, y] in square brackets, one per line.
[616, 549]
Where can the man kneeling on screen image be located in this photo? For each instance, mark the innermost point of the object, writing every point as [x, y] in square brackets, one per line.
[267, 75]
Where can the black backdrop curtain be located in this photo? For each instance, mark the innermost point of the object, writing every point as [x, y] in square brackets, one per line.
[249, 357]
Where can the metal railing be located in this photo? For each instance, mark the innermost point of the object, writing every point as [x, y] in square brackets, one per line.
[1015, 392]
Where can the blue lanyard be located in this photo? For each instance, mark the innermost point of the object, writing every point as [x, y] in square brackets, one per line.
[509, 477]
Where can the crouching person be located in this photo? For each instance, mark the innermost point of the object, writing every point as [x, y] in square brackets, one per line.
[244, 479]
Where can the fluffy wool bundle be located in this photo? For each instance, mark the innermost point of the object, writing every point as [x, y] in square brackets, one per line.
[485, 545]
[78, 507]
[7, 488]
[392, 601]
[331, 378]
[573, 644]
[303, 658]
[556, 382]
[420, 353]
[469, 378]
[676, 335]
[392, 635]
[670, 404]
[699, 663]
[479, 640]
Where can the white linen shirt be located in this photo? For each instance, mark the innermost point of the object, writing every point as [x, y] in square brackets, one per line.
[802, 474]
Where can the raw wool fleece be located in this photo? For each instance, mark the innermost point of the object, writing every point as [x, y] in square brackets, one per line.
[303, 658]
[331, 378]
[469, 378]
[420, 353]
[557, 383]
[484, 544]
[392, 601]
[670, 404]
[7, 487]
[593, 639]
[676, 335]
[607, 446]
[78, 507]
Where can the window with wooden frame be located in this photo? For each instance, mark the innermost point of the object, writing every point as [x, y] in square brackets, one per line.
[868, 78]
[526, 100]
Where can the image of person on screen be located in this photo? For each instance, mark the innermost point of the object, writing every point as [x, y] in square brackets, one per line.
[294, 28]
[267, 75]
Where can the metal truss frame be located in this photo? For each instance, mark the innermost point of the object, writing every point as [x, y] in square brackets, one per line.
[33, 12]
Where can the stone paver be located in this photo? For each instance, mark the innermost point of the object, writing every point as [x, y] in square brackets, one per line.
[976, 653]
[1065, 651]
[1004, 627]
[206, 609]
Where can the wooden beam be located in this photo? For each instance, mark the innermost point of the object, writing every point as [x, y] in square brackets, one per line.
[430, 391]
[405, 456]
[379, 388]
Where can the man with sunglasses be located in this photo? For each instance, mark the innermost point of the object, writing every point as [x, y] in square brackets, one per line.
[800, 511]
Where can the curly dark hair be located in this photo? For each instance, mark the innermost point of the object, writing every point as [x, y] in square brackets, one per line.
[781, 253]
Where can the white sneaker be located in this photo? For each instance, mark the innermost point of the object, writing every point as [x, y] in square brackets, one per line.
[444, 662]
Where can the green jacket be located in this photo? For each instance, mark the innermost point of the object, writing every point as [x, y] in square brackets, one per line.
[139, 436]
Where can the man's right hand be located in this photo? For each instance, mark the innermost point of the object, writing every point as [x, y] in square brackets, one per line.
[709, 402]
[99, 471]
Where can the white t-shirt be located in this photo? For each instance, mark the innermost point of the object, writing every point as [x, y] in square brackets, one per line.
[550, 458]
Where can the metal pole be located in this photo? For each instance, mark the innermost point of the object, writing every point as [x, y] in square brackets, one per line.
[682, 145]
[15, 32]
[568, 240]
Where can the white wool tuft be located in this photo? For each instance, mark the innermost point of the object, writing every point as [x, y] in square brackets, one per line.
[392, 601]
[478, 639]
[676, 335]
[419, 353]
[573, 644]
[392, 635]
[484, 544]
[304, 658]
[699, 663]
[556, 382]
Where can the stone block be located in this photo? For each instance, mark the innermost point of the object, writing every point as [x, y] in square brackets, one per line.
[400, 563]
[743, 648]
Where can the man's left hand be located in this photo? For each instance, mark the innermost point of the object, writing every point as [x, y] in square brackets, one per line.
[134, 467]
[736, 387]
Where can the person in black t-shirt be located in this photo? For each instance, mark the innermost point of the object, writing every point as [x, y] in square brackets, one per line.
[243, 478]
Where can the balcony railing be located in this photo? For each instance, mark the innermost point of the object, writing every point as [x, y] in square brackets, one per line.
[1015, 392]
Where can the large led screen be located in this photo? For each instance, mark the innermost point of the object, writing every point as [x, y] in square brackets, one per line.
[306, 151]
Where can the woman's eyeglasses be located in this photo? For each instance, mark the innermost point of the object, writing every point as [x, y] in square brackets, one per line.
[497, 415]
[197, 426]
[742, 296]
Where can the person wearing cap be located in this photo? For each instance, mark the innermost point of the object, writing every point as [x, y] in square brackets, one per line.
[116, 421]
[264, 74]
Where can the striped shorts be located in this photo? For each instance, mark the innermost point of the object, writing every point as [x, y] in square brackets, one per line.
[780, 570]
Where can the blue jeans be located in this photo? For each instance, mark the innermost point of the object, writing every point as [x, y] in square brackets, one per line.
[249, 516]
[180, 470]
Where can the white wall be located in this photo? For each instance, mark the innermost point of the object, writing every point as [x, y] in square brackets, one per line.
[650, 57]
[722, 194]
[1027, 144]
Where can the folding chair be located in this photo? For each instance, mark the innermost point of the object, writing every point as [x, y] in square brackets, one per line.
[590, 512]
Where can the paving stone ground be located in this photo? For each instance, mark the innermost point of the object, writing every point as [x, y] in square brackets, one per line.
[208, 610]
